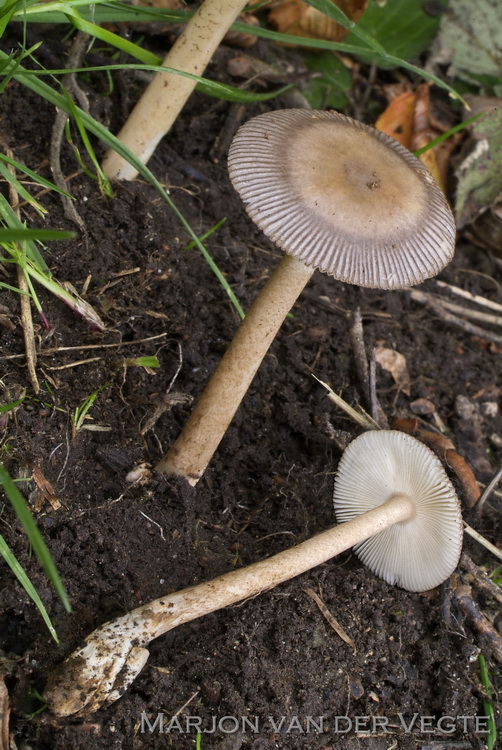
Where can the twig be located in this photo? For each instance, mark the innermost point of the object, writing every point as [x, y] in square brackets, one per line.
[5, 743]
[487, 633]
[481, 578]
[74, 364]
[70, 83]
[24, 300]
[59, 349]
[467, 312]
[482, 301]
[377, 412]
[488, 489]
[484, 542]
[435, 304]
[331, 620]
[360, 418]
[359, 351]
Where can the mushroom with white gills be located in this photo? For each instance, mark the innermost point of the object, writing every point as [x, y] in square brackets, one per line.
[399, 499]
[335, 195]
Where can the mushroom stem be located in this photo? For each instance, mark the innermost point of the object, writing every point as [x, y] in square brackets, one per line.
[194, 448]
[114, 654]
[167, 93]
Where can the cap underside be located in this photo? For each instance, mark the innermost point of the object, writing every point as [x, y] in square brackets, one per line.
[418, 554]
[342, 197]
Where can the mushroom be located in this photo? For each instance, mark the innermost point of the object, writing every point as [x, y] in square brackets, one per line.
[166, 95]
[404, 520]
[335, 195]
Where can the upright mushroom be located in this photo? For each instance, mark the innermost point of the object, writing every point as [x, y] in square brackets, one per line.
[404, 518]
[335, 195]
[166, 95]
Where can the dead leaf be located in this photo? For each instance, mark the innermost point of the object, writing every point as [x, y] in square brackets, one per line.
[470, 487]
[408, 119]
[45, 489]
[397, 119]
[240, 38]
[395, 363]
[299, 19]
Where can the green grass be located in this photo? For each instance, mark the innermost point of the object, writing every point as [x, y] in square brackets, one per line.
[488, 709]
[39, 547]
[81, 412]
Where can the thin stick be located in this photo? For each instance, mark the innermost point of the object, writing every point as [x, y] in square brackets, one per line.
[25, 300]
[333, 622]
[488, 489]
[490, 639]
[484, 542]
[432, 302]
[481, 578]
[360, 418]
[359, 351]
[482, 301]
[467, 312]
[59, 349]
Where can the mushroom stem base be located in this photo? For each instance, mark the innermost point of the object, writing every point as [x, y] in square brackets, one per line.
[194, 448]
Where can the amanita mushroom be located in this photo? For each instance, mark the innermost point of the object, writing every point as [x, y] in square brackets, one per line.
[404, 518]
[335, 195]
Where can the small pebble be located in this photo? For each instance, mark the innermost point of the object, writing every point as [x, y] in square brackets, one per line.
[489, 409]
[496, 440]
[465, 408]
[422, 406]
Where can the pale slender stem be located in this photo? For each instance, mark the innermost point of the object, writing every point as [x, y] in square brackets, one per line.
[167, 93]
[114, 653]
[194, 448]
[243, 583]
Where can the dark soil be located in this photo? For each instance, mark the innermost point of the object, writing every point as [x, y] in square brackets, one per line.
[268, 487]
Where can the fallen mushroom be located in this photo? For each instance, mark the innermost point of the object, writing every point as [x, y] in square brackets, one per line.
[335, 195]
[404, 518]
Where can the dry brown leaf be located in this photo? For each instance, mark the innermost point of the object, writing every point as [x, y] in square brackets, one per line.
[470, 487]
[240, 38]
[45, 488]
[299, 19]
[395, 363]
[397, 119]
[409, 120]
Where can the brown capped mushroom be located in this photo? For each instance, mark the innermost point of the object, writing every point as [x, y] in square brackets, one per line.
[335, 195]
[404, 520]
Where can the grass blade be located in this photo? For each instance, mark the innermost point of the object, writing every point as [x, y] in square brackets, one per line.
[27, 585]
[99, 130]
[36, 540]
[22, 235]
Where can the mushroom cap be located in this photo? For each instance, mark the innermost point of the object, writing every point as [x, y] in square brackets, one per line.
[424, 551]
[342, 197]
